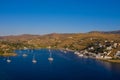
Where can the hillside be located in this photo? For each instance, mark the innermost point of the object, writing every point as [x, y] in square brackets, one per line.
[93, 42]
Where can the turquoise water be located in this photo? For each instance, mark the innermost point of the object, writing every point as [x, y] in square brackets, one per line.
[65, 66]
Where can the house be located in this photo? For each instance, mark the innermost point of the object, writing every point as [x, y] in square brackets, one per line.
[107, 57]
[99, 56]
[100, 45]
[109, 48]
[91, 48]
[85, 51]
[118, 44]
[117, 55]
[112, 41]
[115, 45]
[106, 41]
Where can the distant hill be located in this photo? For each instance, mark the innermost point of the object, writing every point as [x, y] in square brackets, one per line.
[19, 37]
[25, 37]
[107, 32]
[113, 32]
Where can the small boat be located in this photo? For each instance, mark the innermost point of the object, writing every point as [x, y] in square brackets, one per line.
[24, 55]
[8, 60]
[34, 61]
[76, 53]
[81, 55]
[50, 59]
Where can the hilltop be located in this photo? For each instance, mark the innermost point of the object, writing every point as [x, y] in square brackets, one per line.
[107, 32]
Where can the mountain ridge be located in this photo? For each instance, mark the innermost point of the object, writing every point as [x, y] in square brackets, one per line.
[106, 32]
[112, 32]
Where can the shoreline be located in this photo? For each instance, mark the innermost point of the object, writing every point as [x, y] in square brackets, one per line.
[9, 54]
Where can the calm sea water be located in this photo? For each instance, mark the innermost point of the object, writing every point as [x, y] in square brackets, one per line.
[65, 66]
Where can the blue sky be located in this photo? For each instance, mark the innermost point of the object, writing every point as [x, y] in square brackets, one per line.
[59, 16]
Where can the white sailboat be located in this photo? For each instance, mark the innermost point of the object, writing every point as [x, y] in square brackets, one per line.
[8, 60]
[34, 60]
[24, 55]
[50, 56]
[65, 51]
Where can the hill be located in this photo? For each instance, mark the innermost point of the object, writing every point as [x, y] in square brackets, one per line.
[106, 32]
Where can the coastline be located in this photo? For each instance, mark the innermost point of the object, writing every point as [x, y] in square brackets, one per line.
[9, 54]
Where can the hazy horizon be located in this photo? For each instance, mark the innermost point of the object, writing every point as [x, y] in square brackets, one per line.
[58, 16]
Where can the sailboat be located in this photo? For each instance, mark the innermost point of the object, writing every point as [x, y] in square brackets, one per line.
[24, 55]
[65, 52]
[50, 56]
[34, 60]
[8, 60]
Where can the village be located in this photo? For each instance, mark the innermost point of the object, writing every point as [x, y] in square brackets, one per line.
[101, 50]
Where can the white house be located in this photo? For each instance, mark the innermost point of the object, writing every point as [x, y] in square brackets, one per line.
[109, 48]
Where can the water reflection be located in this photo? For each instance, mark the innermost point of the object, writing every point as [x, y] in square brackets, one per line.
[107, 65]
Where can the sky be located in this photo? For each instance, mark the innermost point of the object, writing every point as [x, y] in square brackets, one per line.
[58, 16]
